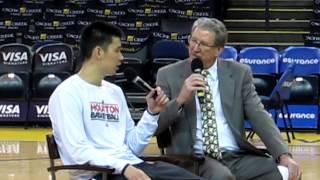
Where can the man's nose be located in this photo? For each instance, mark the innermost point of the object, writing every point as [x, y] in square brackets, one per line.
[196, 46]
[121, 57]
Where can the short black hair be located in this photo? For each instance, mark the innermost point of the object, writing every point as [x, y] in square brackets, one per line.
[97, 34]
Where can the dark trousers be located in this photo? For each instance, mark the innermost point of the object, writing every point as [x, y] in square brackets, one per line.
[240, 166]
[159, 171]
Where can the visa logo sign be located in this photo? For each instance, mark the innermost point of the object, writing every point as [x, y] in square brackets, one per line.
[51, 57]
[15, 56]
[9, 109]
[42, 109]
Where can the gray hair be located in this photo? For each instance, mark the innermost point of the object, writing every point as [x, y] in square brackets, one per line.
[215, 26]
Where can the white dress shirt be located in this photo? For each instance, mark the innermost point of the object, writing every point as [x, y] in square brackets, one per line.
[225, 136]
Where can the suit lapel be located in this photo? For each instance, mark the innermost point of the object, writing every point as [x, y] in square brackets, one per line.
[190, 107]
[226, 88]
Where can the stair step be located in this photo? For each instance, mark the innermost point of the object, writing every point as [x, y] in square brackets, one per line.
[260, 24]
[259, 13]
[273, 3]
[267, 36]
[279, 46]
[272, 9]
[264, 44]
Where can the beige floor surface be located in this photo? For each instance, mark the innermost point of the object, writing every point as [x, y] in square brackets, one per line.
[25, 157]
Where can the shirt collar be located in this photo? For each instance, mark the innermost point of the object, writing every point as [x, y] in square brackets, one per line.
[213, 71]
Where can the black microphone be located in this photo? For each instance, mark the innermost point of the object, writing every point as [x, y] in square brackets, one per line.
[197, 67]
[132, 76]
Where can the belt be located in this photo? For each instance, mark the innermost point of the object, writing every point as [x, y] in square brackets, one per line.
[219, 158]
[224, 154]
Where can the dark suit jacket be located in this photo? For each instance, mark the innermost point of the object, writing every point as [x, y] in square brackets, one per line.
[238, 98]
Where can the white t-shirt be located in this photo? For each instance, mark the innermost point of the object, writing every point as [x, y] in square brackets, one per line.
[92, 124]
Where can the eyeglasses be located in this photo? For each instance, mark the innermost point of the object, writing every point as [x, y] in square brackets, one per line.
[201, 45]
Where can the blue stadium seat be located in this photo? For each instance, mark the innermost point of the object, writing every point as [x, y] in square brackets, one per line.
[305, 91]
[262, 60]
[306, 58]
[264, 64]
[169, 49]
[229, 54]
[165, 52]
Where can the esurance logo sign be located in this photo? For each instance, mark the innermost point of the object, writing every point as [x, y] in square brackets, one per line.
[299, 115]
[258, 61]
[9, 111]
[53, 58]
[301, 61]
[14, 58]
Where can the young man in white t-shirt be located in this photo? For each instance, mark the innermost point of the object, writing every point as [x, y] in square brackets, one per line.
[91, 121]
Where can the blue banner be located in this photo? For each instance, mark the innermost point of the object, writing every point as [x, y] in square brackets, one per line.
[38, 111]
[11, 111]
[302, 116]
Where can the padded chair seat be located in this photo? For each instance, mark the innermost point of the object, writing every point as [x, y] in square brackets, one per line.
[11, 86]
[305, 90]
[46, 85]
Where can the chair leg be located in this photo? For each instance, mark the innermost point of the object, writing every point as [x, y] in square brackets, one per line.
[290, 122]
[285, 125]
[104, 176]
[162, 151]
[53, 175]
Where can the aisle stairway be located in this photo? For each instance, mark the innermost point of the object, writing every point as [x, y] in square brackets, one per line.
[287, 25]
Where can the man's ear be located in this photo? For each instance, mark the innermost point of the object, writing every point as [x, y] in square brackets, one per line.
[220, 49]
[97, 52]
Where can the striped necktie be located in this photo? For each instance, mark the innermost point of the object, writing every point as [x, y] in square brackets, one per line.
[209, 124]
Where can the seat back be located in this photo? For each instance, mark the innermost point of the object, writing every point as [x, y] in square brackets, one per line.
[169, 49]
[262, 60]
[307, 58]
[229, 53]
[283, 88]
[15, 57]
[53, 57]
[165, 52]
[15, 68]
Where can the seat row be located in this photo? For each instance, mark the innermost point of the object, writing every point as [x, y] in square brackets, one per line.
[28, 77]
[267, 60]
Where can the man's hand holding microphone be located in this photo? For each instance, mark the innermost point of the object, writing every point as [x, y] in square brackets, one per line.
[156, 99]
[195, 82]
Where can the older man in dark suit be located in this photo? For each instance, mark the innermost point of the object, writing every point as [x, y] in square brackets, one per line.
[233, 96]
